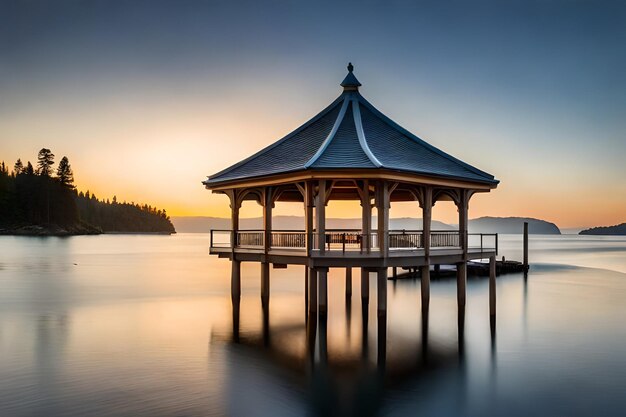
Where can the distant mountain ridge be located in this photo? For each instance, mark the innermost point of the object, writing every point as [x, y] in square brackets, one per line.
[513, 225]
[617, 230]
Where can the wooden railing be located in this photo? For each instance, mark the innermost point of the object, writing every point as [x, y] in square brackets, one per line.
[289, 239]
[484, 241]
[250, 238]
[353, 239]
[445, 239]
[406, 239]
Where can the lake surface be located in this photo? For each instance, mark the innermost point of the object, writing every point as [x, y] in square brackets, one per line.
[131, 325]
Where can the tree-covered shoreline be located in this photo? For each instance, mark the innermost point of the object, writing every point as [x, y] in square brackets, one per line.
[33, 201]
[617, 230]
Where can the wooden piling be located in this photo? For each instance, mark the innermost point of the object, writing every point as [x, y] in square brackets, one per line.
[425, 286]
[492, 286]
[348, 282]
[265, 282]
[365, 284]
[323, 290]
[382, 291]
[312, 291]
[525, 246]
[235, 281]
[461, 283]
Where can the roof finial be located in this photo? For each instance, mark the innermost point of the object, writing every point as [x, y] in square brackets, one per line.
[350, 83]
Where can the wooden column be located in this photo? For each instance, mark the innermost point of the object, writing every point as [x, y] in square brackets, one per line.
[235, 281]
[320, 216]
[382, 291]
[366, 216]
[382, 206]
[268, 204]
[365, 284]
[463, 206]
[323, 290]
[312, 290]
[348, 282]
[427, 207]
[492, 286]
[309, 203]
[234, 222]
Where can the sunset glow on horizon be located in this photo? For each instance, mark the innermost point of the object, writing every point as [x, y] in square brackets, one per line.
[146, 112]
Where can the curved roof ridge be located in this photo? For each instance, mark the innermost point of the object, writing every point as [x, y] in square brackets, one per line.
[331, 134]
[318, 116]
[421, 141]
[356, 112]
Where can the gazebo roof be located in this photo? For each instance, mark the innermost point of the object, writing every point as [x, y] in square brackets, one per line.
[351, 134]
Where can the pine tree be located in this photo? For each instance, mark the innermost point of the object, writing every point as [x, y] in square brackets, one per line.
[45, 160]
[29, 169]
[65, 174]
[18, 168]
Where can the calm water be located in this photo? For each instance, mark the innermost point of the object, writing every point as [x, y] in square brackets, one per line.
[144, 326]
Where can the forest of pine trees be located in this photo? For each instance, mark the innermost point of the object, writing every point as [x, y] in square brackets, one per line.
[41, 200]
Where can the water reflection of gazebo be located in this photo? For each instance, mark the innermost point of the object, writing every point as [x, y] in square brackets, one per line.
[351, 151]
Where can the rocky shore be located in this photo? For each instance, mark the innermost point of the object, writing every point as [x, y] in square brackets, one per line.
[51, 230]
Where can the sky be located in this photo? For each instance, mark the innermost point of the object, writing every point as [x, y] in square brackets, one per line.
[147, 98]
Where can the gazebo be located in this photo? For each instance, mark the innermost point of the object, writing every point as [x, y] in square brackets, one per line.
[351, 151]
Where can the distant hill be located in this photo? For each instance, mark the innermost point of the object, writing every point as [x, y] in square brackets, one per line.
[617, 230]
[202, 224]
[512, 225]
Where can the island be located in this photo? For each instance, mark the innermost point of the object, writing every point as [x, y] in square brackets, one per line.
[617, 230]
[41, 202]
[512, 225]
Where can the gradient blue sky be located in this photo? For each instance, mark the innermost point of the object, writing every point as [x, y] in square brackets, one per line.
[147, 98]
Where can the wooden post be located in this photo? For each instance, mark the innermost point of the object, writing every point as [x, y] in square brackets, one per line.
[427, 209]
[321, 216]
[462, 207]
[461, 283]
[265, 283]
[234, 220]
[312, 291]
[394, 272]
[309, 203]
[323, 290]
[382, 205]
[365, 284]
[366, 216]
[235, 281]
[492, 285]
[348, 282]
[382, 291]
[525, 246]
[268, 204]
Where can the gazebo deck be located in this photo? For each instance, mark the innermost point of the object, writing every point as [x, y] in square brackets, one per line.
[342, 249]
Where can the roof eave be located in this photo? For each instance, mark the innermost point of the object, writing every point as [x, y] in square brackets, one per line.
[312, 173]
